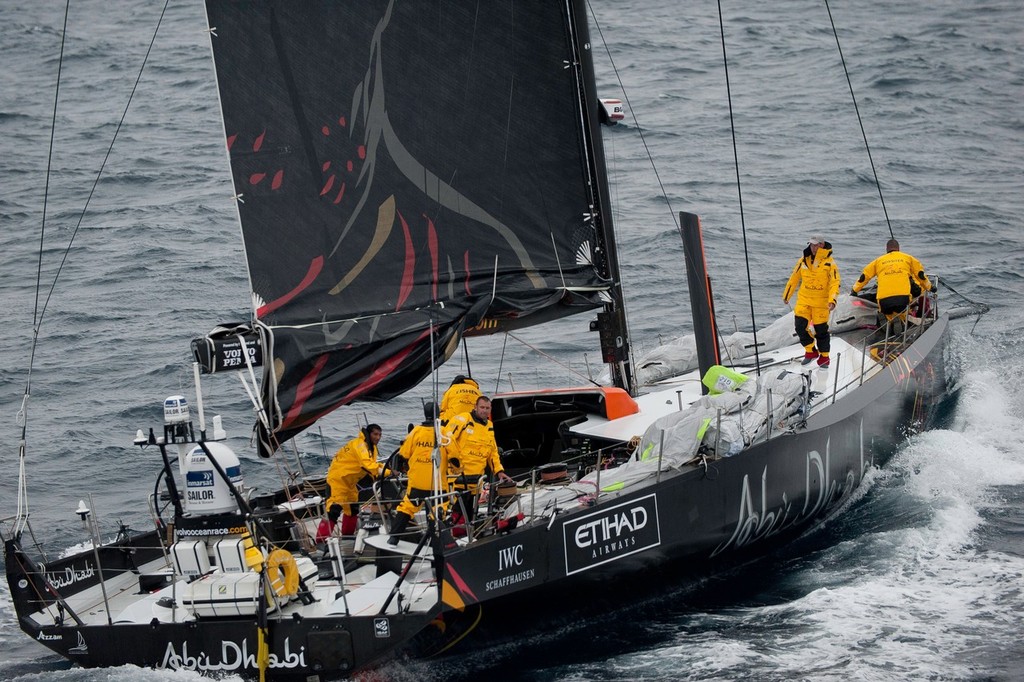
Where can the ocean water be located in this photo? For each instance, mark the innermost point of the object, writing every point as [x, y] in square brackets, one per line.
[922, 577]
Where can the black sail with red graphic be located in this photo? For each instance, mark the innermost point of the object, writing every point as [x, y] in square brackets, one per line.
[406, 169]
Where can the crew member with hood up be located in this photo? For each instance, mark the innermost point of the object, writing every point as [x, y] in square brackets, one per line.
[351, 463]
[817, 277]
[418, 450]
[471, 450]
[895, 271]
[460, 397]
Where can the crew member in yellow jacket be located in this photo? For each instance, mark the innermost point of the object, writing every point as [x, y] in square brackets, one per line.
[460, 397]
[895, 272]
[472, 450]
[418, 450]
[817, 277]
[351, 463]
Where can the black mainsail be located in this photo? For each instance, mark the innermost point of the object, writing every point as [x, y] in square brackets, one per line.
[404, 169]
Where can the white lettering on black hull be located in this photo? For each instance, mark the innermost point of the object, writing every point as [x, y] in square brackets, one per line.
[70, 576]
[754, 525]
[510, 579]
[610, 534]
[233, 656]
[509, 557]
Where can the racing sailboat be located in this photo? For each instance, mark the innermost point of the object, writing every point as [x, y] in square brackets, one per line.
[395, 198]
[378, 233]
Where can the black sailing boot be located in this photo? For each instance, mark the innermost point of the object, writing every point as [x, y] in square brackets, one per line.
[398, 526]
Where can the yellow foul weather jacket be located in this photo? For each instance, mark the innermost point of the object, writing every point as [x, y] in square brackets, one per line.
[894, 271]
[418, 449]
[817, 276]
[473, 444]
[459, 398]
[356, 457]
[353, 461]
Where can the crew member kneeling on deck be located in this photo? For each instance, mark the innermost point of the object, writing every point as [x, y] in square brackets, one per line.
[897, 273]
[418, 450]
[356, 459]
[817, 277]
[471, 451]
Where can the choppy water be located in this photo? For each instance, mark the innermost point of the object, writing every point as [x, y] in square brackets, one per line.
[922, 577]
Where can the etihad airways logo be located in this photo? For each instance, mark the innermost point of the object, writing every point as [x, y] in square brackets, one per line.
[611, 533]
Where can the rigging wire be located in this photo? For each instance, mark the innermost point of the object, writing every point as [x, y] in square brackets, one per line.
[623, 370]
[552, 359]
[38, 313]
[739, 189]
[49, 167]
[99, 173]
[501, 362]
[860, 121]
[629, 105]
[22, 417]
[979, 309]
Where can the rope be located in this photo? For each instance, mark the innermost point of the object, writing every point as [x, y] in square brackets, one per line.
[629, 105]
[739, 190]
[21, 419]
[99, 173]
[554, 360]
[860, 122]
[39, 313]
[501, 362]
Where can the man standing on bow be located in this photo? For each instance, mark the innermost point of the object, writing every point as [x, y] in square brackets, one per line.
[896, 271]
[817, 277]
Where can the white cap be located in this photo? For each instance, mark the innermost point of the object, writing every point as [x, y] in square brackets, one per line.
[816, 239]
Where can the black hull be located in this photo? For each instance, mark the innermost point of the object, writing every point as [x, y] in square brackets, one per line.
[302, 649]
[311, 649]
[307, 649]
[735, 509]
[688, 523]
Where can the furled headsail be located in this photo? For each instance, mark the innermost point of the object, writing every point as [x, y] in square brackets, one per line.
[405, 170]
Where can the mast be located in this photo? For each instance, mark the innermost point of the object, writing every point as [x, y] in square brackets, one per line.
[611, 322]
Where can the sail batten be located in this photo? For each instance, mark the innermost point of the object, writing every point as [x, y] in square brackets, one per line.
[390, 153]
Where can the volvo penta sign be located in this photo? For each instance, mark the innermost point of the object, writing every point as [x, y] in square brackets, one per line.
[611, 533]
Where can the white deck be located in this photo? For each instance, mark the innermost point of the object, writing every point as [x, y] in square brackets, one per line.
[364, 594]
[671, 395]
